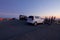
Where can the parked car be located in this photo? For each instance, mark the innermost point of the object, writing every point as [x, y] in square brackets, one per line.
[35, 20]
[22, 17]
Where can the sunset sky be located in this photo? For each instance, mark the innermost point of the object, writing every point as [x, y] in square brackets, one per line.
[13, 8]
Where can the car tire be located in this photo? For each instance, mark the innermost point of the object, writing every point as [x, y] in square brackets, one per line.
[43, 23]
[35, 23]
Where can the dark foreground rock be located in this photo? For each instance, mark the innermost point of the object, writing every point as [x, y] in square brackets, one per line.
[18, 30]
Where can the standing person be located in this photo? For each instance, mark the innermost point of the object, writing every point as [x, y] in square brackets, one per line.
[52, 19]
[49, 21]
[46, 20]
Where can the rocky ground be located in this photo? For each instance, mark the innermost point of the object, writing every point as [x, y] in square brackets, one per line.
[20, 30]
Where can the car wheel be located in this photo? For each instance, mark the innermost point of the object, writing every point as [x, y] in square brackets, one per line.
[43, 23]
[35, 23]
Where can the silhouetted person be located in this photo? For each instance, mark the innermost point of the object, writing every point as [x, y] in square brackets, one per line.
[53, 19]
[49, 21]
[46, 20]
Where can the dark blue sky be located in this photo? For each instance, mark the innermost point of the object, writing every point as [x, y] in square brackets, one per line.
[13, 8]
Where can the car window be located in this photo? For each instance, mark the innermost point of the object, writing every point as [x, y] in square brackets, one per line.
[36, 17]
[30, 16]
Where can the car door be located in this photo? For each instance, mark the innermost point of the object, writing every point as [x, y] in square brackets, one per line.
[41, 20]
[37, 19]
[30, 18]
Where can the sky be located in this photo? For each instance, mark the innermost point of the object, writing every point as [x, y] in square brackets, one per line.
[14, 8]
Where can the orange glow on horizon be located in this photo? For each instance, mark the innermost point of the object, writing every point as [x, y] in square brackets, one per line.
[51, 16]
[58, 16]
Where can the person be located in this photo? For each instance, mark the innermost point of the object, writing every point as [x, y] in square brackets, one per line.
[46, 20]
[52, 19]
[49, 20]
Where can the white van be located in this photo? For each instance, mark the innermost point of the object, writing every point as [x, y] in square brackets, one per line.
[35, 19]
